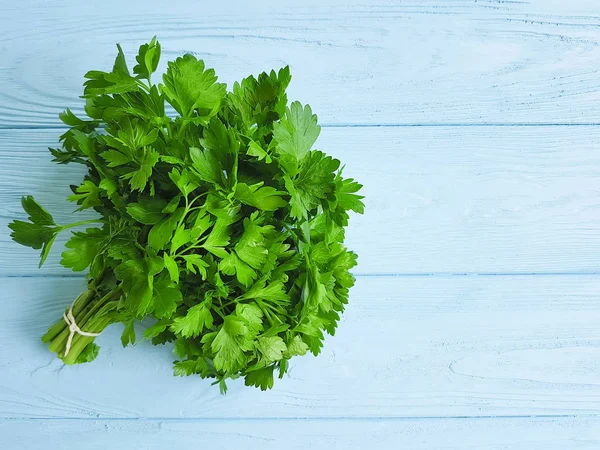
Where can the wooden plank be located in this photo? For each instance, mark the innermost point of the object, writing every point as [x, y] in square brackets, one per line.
[436, 434]
[406, 347]
[422, 61]
[439, 200]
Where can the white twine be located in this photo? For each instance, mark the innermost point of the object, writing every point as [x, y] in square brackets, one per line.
[73, 328]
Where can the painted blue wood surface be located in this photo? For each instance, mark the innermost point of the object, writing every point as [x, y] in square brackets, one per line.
[475, 127]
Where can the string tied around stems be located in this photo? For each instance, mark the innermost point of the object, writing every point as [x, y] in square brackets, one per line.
[73, 328]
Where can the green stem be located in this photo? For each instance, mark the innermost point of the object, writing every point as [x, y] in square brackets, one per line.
[92, 314]
[79, 344]
[141, 84]
[81, 319]
[218, 311]
[180, 130]
[191, 247]
[83, 222]
[265, 311]
[78, 305]
[196, 198]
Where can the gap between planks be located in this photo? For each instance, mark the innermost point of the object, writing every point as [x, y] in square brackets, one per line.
[301, 419]
[382, 275]
[377, 125]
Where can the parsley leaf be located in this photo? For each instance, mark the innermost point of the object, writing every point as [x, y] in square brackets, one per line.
[295, 134]
[189, 88]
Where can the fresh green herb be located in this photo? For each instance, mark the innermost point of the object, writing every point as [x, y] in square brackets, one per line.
[221, 223]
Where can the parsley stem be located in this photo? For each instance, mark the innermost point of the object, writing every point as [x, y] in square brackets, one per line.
[274, 309]
[218, 311]
[265, 311]
[83, 222]
[78, 305]
[191, 247]
[197, 197]
[141, 84]
[230, 302]
[91, 312]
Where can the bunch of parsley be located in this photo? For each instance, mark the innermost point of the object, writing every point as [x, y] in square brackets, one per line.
[218, 222]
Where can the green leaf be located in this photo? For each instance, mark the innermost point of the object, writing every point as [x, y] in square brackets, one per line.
[189, 87]
[271, 348]
[201, 225]
[162, 232]
[316, 175]
[194, 263]
[184, 368]
[182, 237]
[346, 195]
[296, 132]
[82, 248]
[266, 198]
[147, 59]
[183, 180]
[194, 322]
[86, 195]
[139, 296]
[31, 234]
[172, 205]
[232, 265]
[46, 250]
[68, 118]
[275, 291]
[206, 165]
[262, 378]
[116, 82]
[254, 149]
[115, 158]
[190, 367]
[109, 186]
[120, 65]
[223, 209]
[137, 276]
[180, 348]
[88, 354]
[84, 142]
[218, 239]
[251, 247]
[139, 178]
[228, 345]
[36, 213]
[154, 264]
[216, 138]
[156, 329]
[134, 135]
[128, 335]
[313, 184]
[166, 297]
[148, 211]
[295, 346]
[251, 315]
[172, 267]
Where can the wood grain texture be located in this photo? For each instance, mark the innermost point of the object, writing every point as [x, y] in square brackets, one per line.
[406, 347]
[447, 361]
[437, 434]
[358, 62]
[450, 200]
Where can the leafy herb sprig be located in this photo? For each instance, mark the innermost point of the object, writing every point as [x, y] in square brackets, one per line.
[220, 221]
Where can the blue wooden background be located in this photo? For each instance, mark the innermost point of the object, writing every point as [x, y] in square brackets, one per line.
[475, 321]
